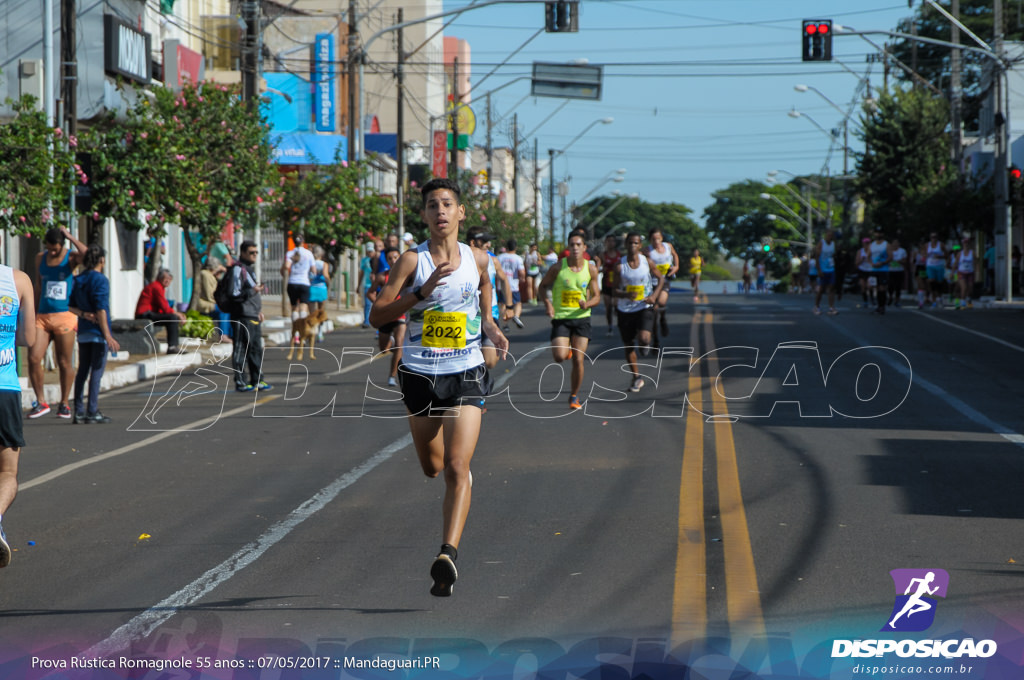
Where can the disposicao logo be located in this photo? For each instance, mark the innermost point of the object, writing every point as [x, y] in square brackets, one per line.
[916, 590]
[914, 611]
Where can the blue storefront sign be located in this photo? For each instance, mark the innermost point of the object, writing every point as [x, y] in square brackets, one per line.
[324, 89]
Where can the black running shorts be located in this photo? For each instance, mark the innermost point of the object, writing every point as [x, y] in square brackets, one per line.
[423, 394]
[11, 435]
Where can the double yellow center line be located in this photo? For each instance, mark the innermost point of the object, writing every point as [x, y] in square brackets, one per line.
[690, 596]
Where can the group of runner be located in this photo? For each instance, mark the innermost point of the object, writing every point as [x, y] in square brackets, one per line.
[447, 293]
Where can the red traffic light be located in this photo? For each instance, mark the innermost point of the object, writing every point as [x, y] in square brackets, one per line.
[1015, 172]
[811, 29]
[823, 29]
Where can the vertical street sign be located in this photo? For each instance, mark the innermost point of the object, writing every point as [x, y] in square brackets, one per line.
[324, 104]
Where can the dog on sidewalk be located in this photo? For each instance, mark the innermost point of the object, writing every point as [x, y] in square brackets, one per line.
[304, 330]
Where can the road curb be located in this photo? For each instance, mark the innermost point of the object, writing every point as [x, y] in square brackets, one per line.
[277, 331]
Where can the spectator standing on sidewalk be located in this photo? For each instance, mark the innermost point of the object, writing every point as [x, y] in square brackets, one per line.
[366, 266]
[54, 265]
[153, 305]
[247, 320]
[91, 303]
[17, 327]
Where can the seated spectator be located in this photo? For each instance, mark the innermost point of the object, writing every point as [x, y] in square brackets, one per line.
[153, 306]
[206, 283]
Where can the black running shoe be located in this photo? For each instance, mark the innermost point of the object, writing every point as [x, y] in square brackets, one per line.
[444, 573]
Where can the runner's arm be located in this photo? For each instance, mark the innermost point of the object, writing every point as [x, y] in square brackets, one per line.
[661, 282]
[506, 287]
[594, 291]
[489, 328]
[26, 333]
[388, 306]
[74, 257]
[544, 287]
[675, 261]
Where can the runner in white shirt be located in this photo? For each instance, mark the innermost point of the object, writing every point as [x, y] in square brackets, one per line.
[444, 288]
[897, 272]
[515, 271]
[296, 268]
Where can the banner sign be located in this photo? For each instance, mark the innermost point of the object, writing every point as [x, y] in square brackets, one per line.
[439, 157]
[324, 104]
[125, 50]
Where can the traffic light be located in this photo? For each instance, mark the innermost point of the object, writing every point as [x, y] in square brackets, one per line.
[816, 38]
[1016, 184]
[561, 16]
[766, 243]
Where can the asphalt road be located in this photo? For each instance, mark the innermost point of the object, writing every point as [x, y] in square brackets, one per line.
[208, 524]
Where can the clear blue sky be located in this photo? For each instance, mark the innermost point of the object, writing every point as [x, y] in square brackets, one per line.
[699, 89]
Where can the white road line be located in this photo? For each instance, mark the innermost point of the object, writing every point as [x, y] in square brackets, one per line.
[971, 413]
[71, 467]
[190, 427]
[969, 330]
[146, 622]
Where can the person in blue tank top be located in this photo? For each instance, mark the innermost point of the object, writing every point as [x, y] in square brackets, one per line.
[55, 265]
[17, 327]
[445, 290]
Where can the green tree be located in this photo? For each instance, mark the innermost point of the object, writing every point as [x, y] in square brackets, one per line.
[932, 62]
[905, 175]
[198, 158]
[328, 206]
[29, 148]
[674, 220]
[738, 221]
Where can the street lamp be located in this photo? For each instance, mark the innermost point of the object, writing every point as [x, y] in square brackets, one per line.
[846, 121]
[793, 113]
[589, 228]
[776, 218]
[807, 224]
[551, 170]
[628, 224]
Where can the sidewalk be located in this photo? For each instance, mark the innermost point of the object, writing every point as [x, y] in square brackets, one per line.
[125, 369]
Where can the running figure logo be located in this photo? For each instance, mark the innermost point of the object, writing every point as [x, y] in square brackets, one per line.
[916, 590]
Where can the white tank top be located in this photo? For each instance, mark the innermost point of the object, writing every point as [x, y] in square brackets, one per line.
[966, 264]
[444, 330]
[663, 261]
[879, 256]
[827, 259]
[935, 255]
[865, 261]
[637, 282]
[10, 302]
[492, 272]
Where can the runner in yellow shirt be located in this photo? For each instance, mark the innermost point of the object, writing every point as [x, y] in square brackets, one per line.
[574, 292]
[666, 260]
[696, 263]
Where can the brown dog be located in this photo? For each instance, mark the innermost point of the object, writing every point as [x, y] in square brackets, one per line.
[305, 329]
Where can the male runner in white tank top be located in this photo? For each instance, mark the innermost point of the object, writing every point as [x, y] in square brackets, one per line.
[444, 288]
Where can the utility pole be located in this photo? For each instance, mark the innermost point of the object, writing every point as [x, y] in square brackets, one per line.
[353, 65]
[1003, 221]
[69, 79]
[400, 135]
[251, 52]
[515, 162]
[551, 194]
[956, 97]
[490, 150]
[453, 172]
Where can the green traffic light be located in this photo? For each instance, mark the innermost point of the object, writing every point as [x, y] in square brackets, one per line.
[767, 248]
